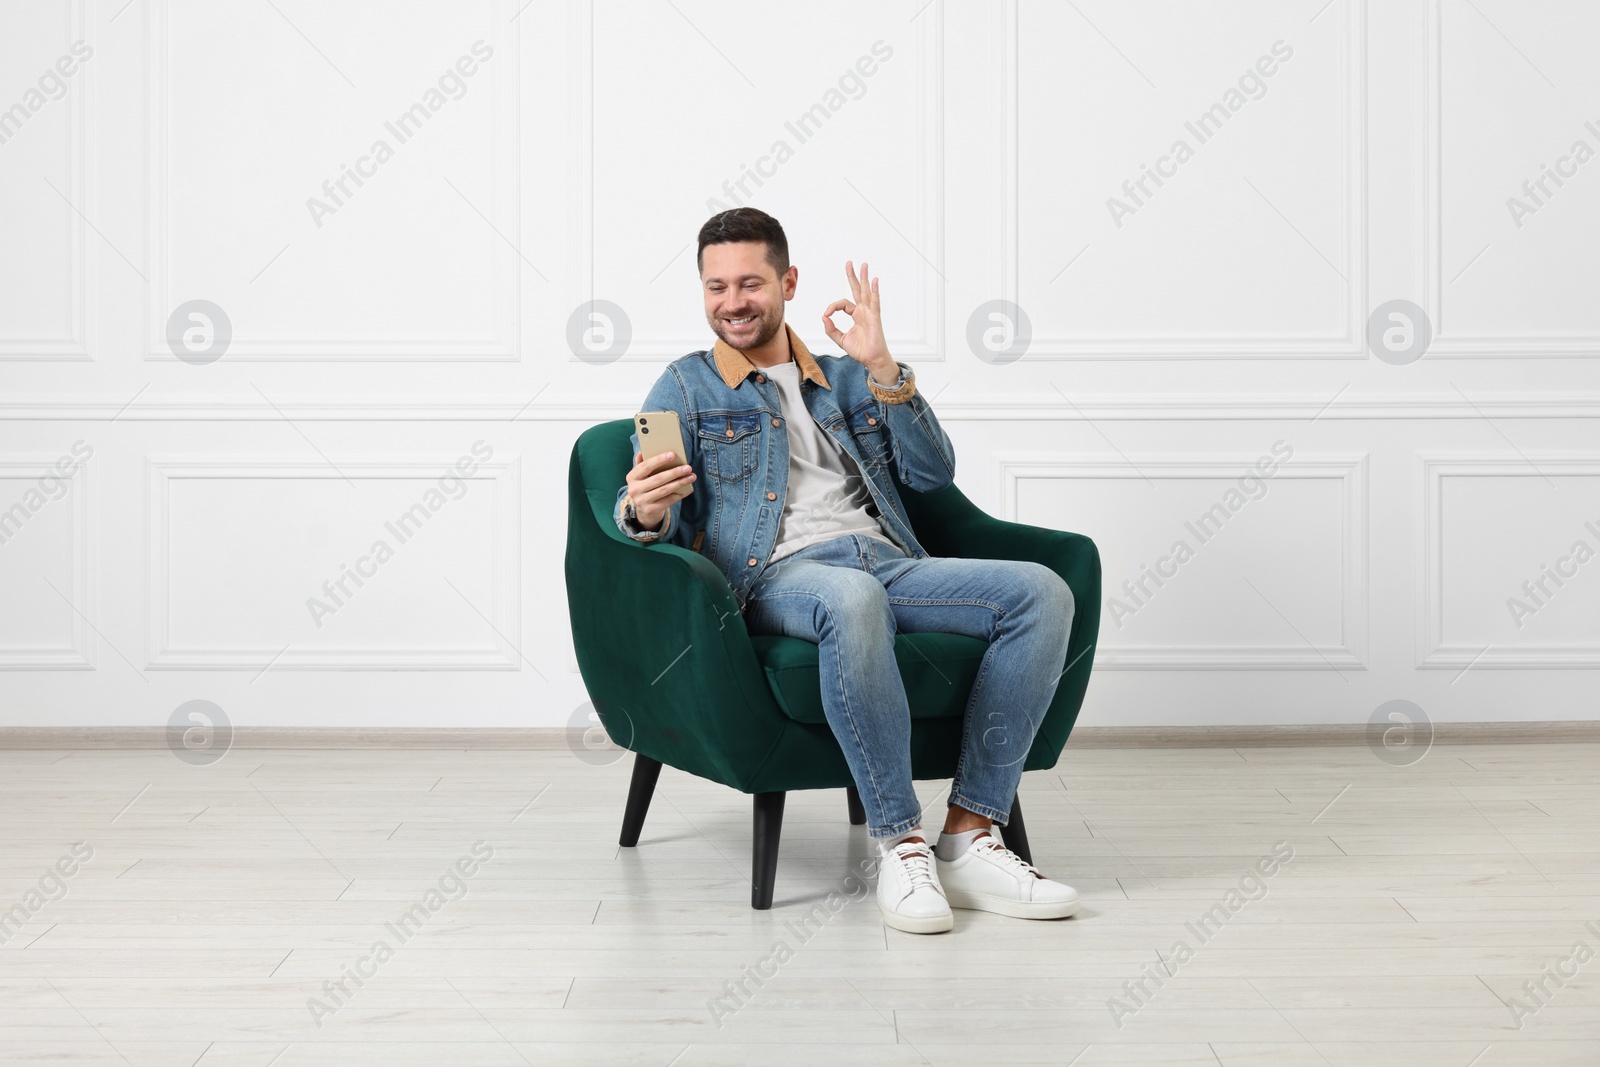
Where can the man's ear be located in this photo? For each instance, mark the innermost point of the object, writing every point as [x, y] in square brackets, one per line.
[791, 281]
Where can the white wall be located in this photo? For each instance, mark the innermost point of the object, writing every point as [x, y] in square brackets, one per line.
[382, 338]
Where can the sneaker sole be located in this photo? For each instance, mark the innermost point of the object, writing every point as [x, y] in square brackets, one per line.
[1017, 909]
[917, 924]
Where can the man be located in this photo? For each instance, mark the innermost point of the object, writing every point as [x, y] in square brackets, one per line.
[793, 459]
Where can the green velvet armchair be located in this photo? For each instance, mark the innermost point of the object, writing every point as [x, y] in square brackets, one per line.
[676, 678]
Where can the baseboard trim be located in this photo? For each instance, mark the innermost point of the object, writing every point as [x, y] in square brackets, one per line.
[1543, 732]
[555, 738]
[443, 737]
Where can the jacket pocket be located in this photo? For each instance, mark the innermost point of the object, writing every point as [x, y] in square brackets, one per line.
[728, 442]
[871, 438]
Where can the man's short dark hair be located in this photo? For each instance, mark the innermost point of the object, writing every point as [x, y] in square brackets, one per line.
[745, 224]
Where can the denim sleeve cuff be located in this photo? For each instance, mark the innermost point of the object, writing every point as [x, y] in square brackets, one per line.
[904, 390]
[633, 529]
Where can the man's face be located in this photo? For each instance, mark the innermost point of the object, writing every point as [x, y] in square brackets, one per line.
[744, 295]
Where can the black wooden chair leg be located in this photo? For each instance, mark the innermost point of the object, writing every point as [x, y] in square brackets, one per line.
[1015, 832]
[767, 826]
[858, 814]
[645, 773]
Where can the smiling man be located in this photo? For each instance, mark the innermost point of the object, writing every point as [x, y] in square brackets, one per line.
[794, 459]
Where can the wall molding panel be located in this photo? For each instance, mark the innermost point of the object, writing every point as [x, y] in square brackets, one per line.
[1433, 653]
[1448, 343]
[77, 651]
[502, 214]
[1347, 470]
[926, 345]
[82, 161]
[501, 618]
[1349, 343]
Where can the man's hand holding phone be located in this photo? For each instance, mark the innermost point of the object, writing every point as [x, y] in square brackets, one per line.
[655, 484]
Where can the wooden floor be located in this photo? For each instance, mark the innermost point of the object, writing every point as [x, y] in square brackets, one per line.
[219, 901]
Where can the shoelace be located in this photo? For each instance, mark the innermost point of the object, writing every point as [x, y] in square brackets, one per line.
[992, 846]
[916, 859]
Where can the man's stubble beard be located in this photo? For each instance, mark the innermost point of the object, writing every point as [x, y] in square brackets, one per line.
[768, 331]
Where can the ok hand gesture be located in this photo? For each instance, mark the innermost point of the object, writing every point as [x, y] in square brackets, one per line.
[863, 342]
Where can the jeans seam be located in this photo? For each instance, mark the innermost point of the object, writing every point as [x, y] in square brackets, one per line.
[966, 716]
[950, 602]
[866, 756]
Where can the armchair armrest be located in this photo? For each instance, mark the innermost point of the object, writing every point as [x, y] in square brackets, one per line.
[948, 524]
[664, 652]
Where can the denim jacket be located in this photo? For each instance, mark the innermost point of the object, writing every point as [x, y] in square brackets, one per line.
[733, 431]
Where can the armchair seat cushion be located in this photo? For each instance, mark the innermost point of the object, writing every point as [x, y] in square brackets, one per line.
[938, 671]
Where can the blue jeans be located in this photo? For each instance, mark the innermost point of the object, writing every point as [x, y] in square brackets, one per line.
[851, 594]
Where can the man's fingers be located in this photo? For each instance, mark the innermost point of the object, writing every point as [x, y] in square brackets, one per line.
[643, 468]
[656, 461]
[863, 286]
[828, 326]
[649, 488]
[662, 461]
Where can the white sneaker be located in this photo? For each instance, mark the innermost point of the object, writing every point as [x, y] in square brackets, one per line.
[990, 877]
[909, 895]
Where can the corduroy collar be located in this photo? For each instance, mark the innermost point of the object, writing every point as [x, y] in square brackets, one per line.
[734, 367]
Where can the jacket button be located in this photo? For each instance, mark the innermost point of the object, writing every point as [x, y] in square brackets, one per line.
[761, 377]
[752, 561]
[871, 421]
[772, 496]
[774, 422]
[730, 433]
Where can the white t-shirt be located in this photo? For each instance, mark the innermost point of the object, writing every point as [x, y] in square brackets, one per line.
[827, 495]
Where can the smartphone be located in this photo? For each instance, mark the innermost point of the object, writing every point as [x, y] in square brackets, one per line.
[659, 432]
